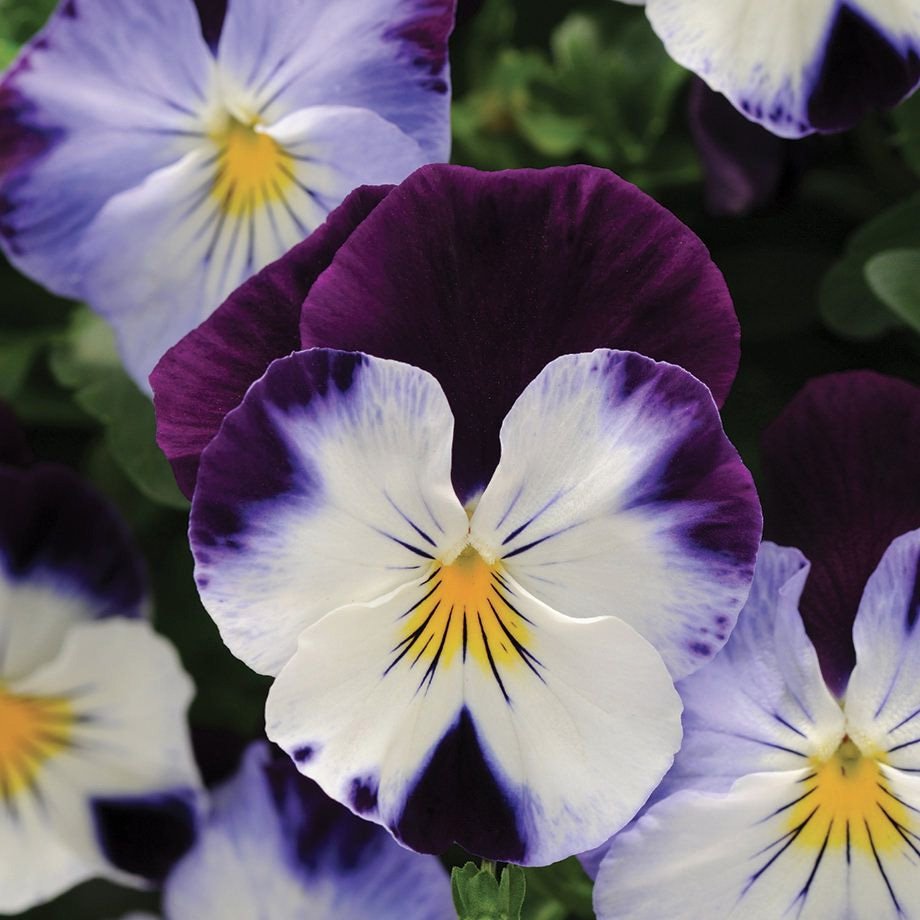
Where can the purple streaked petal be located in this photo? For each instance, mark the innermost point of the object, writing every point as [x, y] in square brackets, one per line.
[840, 474]
[389, 56]
[275, 838]
[482, 278]
[204, 376]
[79, 126]
[619, 494]
[328, 485]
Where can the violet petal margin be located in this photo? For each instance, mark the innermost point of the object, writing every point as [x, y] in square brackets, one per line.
[200, 379]
[840, 469]
[483, 278]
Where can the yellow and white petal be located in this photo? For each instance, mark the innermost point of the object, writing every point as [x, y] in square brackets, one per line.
[785, 844]
[619, 494]
[461, 709]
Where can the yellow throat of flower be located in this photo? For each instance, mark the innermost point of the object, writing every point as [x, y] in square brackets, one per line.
[468, 610]
[252, 168]
[32, 731]
[846, 803]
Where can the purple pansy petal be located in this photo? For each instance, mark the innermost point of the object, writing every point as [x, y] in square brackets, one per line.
[65, 557]
[840, 473]
[811, 65]
[482, 278]
[883, 696]
[743, 163]
[619, 494]
[88, 110]
[518, 733]
[204, 376]
[328, 485]
[389, 56]
[14, 449]
[275, 841]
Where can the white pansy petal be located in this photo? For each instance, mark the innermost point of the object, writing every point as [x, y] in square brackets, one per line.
[619, 494]
[461, 709]
[761, 704]
[329, 485]
[883, 695]
[799, 65]
[768, 849]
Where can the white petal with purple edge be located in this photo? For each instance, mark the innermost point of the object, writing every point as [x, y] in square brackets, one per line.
[619, 494]
[275, 844]
[389, 56]
[461, 708]
[883, 696]
[329, 485]
[752, 855]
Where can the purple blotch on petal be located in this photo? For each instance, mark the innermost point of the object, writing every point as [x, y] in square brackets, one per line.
[840, 483]
[458, 799]
[363, 795]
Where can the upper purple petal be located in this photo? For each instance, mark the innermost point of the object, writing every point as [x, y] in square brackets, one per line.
[204, 376]
[55, 528]
[483, 278]
[840, 469]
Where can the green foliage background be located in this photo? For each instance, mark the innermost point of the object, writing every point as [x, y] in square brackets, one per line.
[825, 279]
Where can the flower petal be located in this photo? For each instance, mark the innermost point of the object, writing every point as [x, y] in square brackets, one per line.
[110, 717]
[275, 841]
[840, 484]
[618, 493]
[206, 374]
[389, 56]
[329, 485]
[810, 65]
[482, 278]
[758, 853]
[471, 712]
[92, 107]
[761, 704]
[65, 557]
[883, 696]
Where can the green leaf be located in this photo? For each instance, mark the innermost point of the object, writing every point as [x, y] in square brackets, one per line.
[894, 278]
[478, 895]
[907, 119]
[85, 360]
[560, 890]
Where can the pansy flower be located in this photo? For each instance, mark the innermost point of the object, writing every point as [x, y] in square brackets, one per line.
[96, 771]
[149, 172]
[473, 570]
[275, 845]
[796, 792]
[801, 66]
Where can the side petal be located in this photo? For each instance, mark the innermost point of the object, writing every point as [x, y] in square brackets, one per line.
[619, 494]
[389, 56]
[812, 65]
[107, 725]
[840, 483]
[883, 696]
[752, 854]
[761, 704]
[199, 380]
[65, 557]
[273, 838]
[485, 719]
[483, 278]
[328, 485]
[106, 94]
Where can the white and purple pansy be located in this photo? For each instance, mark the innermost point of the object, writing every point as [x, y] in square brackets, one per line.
[800, 66]
[797, 790]
[154, 155]
[96, 771]
[275, 845]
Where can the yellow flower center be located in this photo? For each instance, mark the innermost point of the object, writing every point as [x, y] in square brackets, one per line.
[33, 729]
[468, 611]
[846, 803]
[252, 169]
